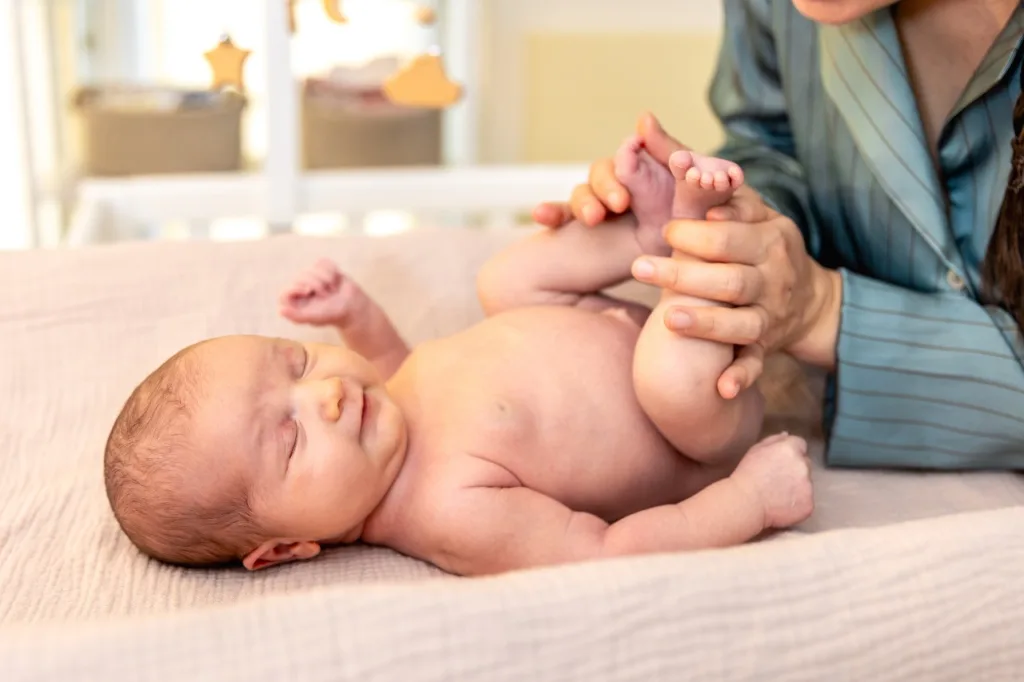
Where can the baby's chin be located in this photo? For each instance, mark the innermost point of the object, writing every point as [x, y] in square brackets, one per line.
[386, 435]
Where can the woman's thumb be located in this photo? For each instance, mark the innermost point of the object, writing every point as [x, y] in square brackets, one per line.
[659, 144]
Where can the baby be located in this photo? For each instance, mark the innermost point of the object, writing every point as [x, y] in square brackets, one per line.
[516, 443]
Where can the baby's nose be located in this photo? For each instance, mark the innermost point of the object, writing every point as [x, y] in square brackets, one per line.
[332, 393]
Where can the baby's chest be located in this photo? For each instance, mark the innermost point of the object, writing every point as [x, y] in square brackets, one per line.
[544, 435]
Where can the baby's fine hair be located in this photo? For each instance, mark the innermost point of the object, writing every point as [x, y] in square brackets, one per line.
[150, 472]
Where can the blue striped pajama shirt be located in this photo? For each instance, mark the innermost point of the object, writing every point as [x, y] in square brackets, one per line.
[824, 122]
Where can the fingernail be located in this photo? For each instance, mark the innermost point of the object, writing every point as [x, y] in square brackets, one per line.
[643, 269]
[616, 197]
[677, 319]
[591, 213]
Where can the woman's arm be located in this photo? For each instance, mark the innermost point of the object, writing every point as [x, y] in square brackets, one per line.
[925, 381]
[922, 380]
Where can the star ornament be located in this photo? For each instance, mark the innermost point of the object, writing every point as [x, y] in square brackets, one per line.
[227, 63]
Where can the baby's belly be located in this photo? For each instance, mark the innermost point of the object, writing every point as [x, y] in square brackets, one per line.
[559, 412]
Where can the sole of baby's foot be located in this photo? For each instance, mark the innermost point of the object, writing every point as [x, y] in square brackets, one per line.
[321, 295]
[701, 183]
[777, 472]
[651, 188]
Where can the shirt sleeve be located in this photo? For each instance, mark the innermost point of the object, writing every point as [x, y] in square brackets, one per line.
[924, 380]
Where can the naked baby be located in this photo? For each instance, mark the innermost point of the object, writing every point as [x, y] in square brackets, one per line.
[536, 437]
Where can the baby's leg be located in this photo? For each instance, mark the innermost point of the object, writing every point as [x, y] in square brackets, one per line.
[572, 265]
[323, 296]
[676, 377]
[569, 266]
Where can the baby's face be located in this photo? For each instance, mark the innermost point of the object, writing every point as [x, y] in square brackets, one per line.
[310, 427]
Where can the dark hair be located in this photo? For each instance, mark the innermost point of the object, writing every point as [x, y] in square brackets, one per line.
[1003, 269]
[148, 480]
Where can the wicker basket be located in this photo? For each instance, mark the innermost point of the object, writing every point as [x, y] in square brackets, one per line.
[350, 132]
[198, 138]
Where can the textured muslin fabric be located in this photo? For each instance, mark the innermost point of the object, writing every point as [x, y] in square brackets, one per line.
[898, 575]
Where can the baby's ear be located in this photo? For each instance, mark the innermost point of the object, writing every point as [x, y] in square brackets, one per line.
[273, 552]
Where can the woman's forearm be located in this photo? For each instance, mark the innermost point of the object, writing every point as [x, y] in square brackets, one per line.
[817, 346]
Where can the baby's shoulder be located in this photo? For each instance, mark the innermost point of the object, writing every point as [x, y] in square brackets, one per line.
[429, 495]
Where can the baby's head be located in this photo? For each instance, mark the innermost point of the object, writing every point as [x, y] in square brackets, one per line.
[252, 448]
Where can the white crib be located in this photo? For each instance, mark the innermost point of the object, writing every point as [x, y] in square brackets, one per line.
[280, 192]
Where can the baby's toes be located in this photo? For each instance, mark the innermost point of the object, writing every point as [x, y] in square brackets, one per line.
[721, 181]
[693, 177]
[707, 180]
[735, 174]
[681, 165]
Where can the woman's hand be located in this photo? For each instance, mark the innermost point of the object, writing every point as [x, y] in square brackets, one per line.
[753, 259]
[602, 194]
[748, 256]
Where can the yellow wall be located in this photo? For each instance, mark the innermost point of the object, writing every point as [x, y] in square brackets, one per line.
[583, 93]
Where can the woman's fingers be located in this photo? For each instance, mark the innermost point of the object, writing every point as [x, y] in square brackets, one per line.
[586, 207]
[590, 201]
[727, 242]
[743, 372]
[553, 214]
[604, 189]
[720, 282]
[734, 326]
[745, 206]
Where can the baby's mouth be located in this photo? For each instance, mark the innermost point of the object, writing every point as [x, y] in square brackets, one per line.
[365, 410]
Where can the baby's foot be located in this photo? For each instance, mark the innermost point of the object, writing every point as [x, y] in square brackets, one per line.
[322, 295]
[778, 472]
[651, 187]
[702, 182]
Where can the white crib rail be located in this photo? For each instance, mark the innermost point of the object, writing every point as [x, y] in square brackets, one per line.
[107, 209]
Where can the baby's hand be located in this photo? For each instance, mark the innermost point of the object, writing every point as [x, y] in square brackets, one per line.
[321, 295]
[778, 471]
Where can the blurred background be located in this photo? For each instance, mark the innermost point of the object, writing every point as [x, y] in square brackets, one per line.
[236, 119]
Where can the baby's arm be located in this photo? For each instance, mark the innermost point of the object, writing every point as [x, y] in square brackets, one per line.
[568, 266]
[323, 296]
[489, 530]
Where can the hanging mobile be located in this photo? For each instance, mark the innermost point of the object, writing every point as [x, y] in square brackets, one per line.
[424, 15]
[227, 64]
[332, 8]
[423, 83]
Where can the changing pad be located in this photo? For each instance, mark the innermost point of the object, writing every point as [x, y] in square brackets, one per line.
[896, 576]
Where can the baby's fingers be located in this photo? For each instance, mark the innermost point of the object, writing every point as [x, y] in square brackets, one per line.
[326, 273]
[743, 372]
[302, 288]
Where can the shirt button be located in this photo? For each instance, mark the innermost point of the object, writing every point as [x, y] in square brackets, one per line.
[955, 281]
